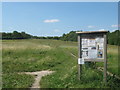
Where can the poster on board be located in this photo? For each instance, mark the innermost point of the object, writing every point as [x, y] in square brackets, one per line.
[92, 48]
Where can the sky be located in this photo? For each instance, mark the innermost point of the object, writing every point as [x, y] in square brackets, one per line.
[56, 18]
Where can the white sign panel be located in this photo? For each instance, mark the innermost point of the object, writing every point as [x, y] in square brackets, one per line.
[92, 47]
[80, 60]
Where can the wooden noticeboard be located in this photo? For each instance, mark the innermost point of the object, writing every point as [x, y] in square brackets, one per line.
[92, 47]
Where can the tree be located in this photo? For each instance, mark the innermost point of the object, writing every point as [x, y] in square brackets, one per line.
[113, 37]
[71, 36]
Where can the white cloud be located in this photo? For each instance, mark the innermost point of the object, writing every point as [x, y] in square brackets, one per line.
[51, 20]
[57, 30]
[101, 30]
[112, 30]
[114, 26]
[90, 26]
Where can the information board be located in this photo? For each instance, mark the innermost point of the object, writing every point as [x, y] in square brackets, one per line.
[92, 47]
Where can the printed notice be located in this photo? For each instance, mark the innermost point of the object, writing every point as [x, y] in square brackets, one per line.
[80, 60]
[92, 47]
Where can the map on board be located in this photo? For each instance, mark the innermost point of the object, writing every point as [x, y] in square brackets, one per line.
[92, 48]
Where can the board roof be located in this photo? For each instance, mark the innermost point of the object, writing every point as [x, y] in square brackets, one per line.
[88, 32]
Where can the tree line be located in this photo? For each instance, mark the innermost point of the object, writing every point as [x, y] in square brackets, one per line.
[113, 37]
[15, 35]
[23, 35]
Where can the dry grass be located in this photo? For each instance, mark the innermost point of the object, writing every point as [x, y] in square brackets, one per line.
[112, 49]
[23, 45]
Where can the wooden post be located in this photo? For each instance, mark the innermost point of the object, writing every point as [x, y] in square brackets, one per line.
[105, 59]
[79, 56]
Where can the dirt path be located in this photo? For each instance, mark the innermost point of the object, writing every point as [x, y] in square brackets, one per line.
[38, 75]
[109, 73]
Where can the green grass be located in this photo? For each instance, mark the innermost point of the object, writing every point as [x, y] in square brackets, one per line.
[14, 80]
[68, 79]
[35, 55]
[112, 59]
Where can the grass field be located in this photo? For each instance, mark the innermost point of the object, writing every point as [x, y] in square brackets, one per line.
[36, 55]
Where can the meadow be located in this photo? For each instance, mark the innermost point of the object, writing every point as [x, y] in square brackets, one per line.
[55, 55]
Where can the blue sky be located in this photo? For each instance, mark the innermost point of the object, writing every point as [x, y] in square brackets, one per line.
[56, 18]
